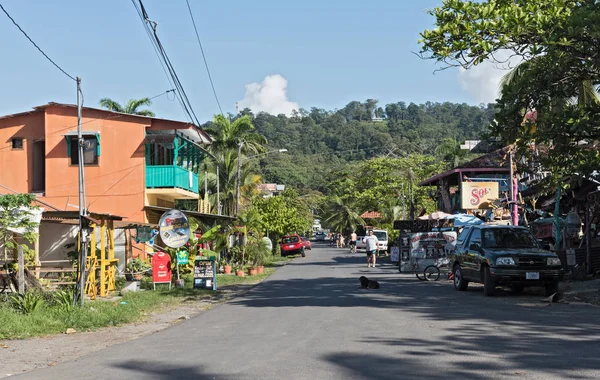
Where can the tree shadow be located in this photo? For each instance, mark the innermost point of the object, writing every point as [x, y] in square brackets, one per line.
[166, 371]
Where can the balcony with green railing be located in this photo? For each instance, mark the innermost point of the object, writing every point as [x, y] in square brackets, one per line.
[172, 161]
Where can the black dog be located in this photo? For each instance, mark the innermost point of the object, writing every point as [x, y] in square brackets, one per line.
[368, 284]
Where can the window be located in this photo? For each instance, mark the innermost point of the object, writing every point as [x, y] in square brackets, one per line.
[463, 236]
[90, 150]
[508, 238]
[17, 143]
[475, 237]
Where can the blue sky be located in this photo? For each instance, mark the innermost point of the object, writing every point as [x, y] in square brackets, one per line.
[330, 52]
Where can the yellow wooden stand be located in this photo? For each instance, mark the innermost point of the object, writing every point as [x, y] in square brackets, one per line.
[106, 263]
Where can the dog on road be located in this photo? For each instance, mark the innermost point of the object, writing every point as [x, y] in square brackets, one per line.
[368, 284]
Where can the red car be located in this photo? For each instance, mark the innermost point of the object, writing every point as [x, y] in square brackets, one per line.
[306, 243]
[292, 244]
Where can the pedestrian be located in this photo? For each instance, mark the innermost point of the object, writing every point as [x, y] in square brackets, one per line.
[342, 241]
[353, 238]
[372, 246]
[337, 239]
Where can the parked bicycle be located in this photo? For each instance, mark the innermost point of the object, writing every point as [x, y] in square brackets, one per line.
[434, 272]
[417, 270]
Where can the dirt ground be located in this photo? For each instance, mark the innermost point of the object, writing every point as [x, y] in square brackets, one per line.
[20, 356]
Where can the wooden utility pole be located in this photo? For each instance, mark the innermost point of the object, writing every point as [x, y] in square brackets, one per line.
[21, 259]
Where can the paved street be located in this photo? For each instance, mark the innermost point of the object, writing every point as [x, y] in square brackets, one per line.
[310, 320]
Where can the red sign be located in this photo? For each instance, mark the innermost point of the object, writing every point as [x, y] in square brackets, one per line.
[161, 267]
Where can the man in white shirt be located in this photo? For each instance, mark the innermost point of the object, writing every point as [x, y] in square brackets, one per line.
[372, 247]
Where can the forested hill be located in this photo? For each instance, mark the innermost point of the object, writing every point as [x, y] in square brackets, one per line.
[320, 142]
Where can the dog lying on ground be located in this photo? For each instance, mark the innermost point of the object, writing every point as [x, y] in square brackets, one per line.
[368, 284]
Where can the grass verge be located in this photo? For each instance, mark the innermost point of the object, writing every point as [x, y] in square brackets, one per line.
[131, 307]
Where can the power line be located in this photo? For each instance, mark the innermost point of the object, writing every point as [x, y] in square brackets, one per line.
[204, 57]
[150, 27]
[162, 93]
[34, 44]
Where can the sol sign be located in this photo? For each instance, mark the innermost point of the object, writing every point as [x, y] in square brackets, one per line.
[479, 195]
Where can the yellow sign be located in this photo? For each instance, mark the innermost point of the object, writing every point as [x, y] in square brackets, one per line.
[479, 195]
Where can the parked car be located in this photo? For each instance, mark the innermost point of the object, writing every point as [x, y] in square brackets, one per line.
[320, 236]
[382, 238]
[503, 255]
[291, 245]
[306, 243]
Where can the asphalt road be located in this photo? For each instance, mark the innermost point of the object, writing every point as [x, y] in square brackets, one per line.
[310, 320]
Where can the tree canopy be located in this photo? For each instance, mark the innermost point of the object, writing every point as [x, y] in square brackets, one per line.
[132, 106]
[548, 102]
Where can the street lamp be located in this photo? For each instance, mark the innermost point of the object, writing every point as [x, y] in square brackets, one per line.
[237, 200]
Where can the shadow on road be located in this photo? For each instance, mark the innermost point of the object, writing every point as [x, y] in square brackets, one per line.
[161, 370]
[493, 334]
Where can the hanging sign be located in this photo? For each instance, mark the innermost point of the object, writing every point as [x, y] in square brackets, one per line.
[182, 257]
[143, 234]
[174, 228]
[479, 195]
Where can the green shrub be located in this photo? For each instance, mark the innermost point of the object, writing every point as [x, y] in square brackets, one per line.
[26, 303]
[63, 300]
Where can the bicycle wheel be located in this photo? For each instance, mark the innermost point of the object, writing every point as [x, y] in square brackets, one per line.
[431, 273]
[419, 275]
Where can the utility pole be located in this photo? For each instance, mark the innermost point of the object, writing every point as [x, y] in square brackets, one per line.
[218, 192]
[410, 189]
[514, 218]
[83, 246]
[239, 160]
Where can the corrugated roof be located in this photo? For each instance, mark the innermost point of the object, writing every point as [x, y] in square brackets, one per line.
[371, 215]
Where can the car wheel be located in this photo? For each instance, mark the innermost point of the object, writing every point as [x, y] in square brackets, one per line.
[517, 288]
[460, 283]
[489, 287]
[551, 288]
[302, 252]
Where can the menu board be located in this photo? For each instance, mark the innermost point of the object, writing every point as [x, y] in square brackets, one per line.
[205, 276]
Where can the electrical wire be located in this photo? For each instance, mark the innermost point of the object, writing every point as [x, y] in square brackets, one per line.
[34, 44]
[150, 27]
[204, 57]
[161, 94]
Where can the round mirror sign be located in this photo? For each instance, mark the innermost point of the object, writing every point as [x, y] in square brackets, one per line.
[174, 228]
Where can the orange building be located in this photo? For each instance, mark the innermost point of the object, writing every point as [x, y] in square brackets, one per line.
[134, 165]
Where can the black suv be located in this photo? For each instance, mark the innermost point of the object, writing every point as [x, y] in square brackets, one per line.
[503, 255]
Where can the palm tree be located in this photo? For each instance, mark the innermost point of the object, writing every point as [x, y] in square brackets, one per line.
[340, 216]
[132, 106]
[449, 149]
[227, 135]
[226, 161]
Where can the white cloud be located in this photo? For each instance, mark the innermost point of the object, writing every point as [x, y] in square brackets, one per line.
[483, 80]
[268, 96]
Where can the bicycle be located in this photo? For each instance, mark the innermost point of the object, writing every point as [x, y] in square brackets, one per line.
[417, 269]
[433, 272]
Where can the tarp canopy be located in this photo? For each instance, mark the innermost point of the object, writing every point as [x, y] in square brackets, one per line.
[434, 216]
[461, 220]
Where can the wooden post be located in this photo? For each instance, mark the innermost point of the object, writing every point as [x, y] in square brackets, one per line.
[21, 270]
[37, 261]
[103, 259]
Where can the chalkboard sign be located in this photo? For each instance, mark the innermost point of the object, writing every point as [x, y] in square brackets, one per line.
[205, 273]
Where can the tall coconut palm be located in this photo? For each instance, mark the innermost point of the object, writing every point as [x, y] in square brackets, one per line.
[227, 135]
[226, 161]
[449, 149]
[340, 216]
[132, 106]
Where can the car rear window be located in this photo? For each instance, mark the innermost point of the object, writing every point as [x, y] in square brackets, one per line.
[291, 239]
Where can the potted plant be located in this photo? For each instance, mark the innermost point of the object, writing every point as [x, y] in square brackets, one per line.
[136, 268]
[239, 271]
[257, 253]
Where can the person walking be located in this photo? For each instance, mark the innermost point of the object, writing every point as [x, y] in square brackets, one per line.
[337, 239]
[342, 241]
[372, 247]
[352, 243]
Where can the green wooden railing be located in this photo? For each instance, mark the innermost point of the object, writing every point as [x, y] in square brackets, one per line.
[171, 176]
